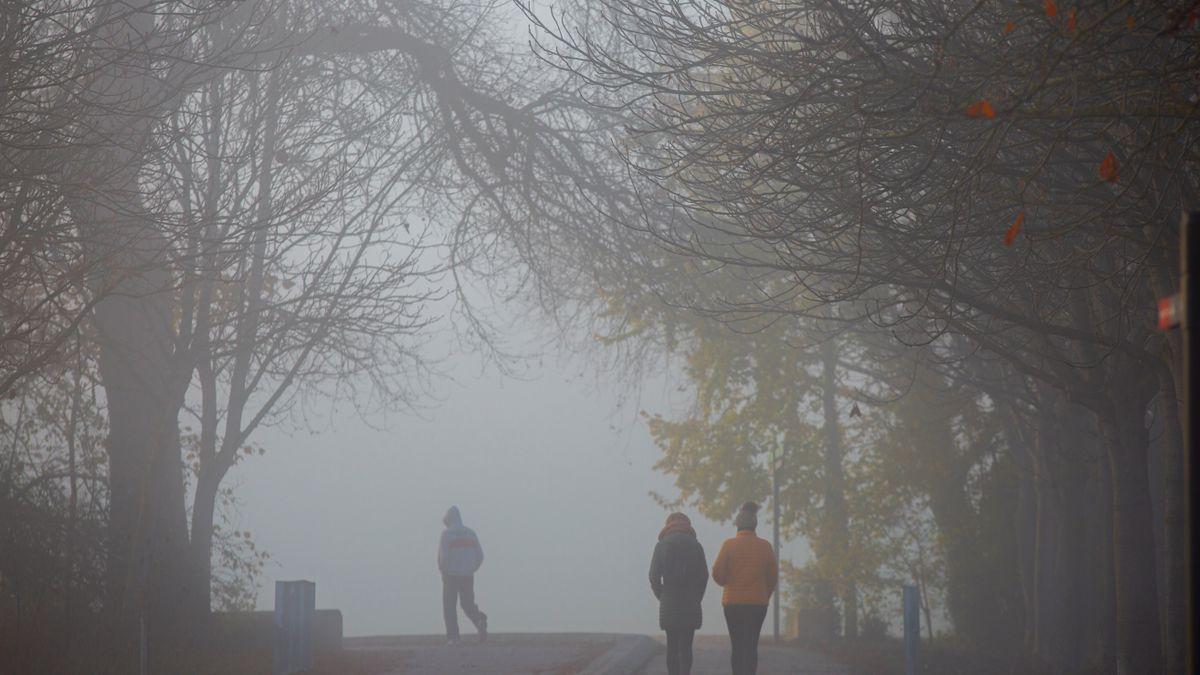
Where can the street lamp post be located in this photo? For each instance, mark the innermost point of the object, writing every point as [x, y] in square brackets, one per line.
[776, 462]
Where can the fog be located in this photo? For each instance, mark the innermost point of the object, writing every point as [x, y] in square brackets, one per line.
[910, 282]
[551, 471]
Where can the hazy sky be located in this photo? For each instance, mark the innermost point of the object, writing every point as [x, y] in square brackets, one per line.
[560, 500]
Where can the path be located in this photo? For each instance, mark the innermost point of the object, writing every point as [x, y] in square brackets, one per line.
[712, 658]
[503, 654]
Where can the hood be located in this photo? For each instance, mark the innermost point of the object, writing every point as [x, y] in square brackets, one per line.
[677, 523]
[452, 517]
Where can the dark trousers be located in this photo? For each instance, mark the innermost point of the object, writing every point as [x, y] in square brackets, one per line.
[679, 652]
[454, 590]
[745, 623]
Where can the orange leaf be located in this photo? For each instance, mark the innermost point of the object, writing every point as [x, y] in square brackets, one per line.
[1014, 229]
[1051, 9]
[1071, 20]
[1130, 23]
[1108, 168]
[981, 108]
[1009, 27]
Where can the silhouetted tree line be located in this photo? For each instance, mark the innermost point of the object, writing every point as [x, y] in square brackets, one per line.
[231, 209]
[978, 203]
[954, 216]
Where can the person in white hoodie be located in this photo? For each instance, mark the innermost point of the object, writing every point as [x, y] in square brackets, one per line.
[459, 557]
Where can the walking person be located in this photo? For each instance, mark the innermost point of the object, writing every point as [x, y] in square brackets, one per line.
[459, 557]
[746, 568]
[678, 577]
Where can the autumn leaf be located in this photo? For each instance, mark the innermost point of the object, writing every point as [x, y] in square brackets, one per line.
[1071, 20]
[1130, 23]
[1051, 9]
[981, 108]
[1013, 230]
[1009, 27]
[1108, 168]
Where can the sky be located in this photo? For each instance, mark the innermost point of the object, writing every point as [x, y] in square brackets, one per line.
[553, 475]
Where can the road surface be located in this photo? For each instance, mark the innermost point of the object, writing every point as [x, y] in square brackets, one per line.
[554, 654]
[712, 658]
[503, 654]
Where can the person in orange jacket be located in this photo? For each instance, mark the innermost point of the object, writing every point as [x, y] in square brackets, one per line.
[746, 568]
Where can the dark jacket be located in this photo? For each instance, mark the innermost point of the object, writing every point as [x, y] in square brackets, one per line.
[678, 577]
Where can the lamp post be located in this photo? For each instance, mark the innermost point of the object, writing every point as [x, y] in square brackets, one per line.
[776, 465]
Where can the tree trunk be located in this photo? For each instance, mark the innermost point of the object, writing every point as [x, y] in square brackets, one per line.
[147, 524]
[1106, 653]
[1076, 483]
[1139, 646]
[129, 268]
[1174, 554]
[200, 554]
[1026, 529]
[837, 524]
[1047, 598]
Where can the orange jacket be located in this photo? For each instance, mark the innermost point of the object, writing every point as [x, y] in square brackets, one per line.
[746, 568]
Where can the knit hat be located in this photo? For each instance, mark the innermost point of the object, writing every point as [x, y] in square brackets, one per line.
[747, 517]
[452, 517]
[677, 522]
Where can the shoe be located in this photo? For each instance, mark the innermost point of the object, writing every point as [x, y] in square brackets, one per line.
[483, 629]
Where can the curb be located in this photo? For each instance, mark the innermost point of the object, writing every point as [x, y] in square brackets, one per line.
[624, 658]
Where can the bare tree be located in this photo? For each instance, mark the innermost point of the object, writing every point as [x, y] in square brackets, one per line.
[254, 193]
[880, 157]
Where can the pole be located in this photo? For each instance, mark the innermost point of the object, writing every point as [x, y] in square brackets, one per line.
[775, 536]
[910, 606]
[72, 506]
[143, 661]
[1189, 281]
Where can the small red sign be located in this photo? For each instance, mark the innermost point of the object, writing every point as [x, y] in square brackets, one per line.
[1168, 312]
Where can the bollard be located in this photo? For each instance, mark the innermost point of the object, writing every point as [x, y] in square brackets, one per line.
[912, 630]
[295, 603]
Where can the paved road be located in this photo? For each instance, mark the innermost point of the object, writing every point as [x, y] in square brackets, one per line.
[712, 658]
[505, 654]
[551, 654]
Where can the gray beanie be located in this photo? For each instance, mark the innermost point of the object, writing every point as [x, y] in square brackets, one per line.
[747, 517]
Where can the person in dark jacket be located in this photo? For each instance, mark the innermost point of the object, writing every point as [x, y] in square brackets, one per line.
[459, 557]
[678, 577]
